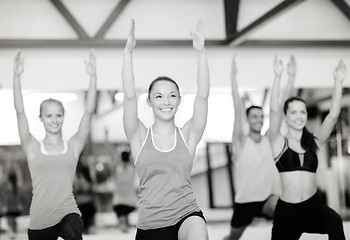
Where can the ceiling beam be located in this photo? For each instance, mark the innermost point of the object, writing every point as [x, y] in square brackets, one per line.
[70, 19]
[295, 43]
[97, 43]
[343, 7]
[103, 43]
[237, 39]
[231, 17]
[112, 17]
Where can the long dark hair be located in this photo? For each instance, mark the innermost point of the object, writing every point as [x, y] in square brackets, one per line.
[307, 140]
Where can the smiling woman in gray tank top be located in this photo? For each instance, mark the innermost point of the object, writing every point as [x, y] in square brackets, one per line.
[52, 161]
[164, 153]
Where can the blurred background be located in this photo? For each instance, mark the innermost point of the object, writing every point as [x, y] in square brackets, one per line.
[55, 36]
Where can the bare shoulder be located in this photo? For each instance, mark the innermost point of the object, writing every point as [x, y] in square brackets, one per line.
[137, 140]
[30, 148]
[237, 144]
[277, 145]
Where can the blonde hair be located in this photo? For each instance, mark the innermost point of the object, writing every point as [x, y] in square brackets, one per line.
[48, 101]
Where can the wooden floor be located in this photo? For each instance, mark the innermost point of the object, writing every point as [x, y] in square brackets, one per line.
[218, 227]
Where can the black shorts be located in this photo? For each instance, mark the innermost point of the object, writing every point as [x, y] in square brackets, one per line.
[244, 213]
[69, 228]
[123, 210]
[13, 213]
[88, 212]
[311, 216]
[168, 233]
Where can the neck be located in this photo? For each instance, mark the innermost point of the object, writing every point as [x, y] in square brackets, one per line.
[53, 138]
[255, 136]
[294, 134]
[164, 127]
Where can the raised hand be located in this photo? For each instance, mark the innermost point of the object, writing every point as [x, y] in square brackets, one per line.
[198, 36]
[292, 66]
[277, 66]
[340, 71]
[131, 41]
[18, 65]
[234, 66]
[90, 64]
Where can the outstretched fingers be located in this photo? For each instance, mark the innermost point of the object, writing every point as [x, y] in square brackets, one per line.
[277, 66]
[90, 64]
[234, 65]
[340, 71]
[292, 66]
[131, 41]
[18, 66]
[198, 36]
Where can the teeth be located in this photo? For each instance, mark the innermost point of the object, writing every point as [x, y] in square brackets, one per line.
[165, 109]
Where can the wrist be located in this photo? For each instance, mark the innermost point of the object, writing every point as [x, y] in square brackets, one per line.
[202, 51]
[127, 51]
[278, 76]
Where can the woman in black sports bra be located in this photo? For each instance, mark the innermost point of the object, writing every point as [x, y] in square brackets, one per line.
[300, 208]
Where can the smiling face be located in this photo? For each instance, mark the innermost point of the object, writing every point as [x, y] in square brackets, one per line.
[296, 114]
[164, 98]
[255, 119]
[52, 115]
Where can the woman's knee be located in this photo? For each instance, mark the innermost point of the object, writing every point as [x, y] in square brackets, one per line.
[335, 224]
[193, 228]
[73, 228]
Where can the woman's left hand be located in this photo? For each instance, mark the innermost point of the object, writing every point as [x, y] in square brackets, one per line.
[198, 36]
[90, 64]
[340, 71]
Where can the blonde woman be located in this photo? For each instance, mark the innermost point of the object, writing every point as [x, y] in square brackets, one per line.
[52, 162]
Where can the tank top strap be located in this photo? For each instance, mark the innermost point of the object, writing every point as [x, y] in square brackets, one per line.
[43, 149]
[147, 139]
[181, 137]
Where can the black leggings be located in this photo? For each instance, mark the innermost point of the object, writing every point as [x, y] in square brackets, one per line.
[311, 216]
[70, 228]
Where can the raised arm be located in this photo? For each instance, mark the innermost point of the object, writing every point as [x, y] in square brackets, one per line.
[26, 137]
[238, 105]
[132, 125]
[84, 129]
[323, 133]
[196, 124]
[275, 107]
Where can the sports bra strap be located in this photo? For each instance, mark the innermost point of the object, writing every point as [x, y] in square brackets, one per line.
[285, 146]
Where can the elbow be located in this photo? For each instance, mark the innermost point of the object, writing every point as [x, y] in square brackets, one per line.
[203, 96]
[334, 115]
[129, 97]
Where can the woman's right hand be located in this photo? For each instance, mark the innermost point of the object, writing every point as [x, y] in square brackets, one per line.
[131, 41]
[277, 66]
[18, 65]
[292, 66]
[234, 66]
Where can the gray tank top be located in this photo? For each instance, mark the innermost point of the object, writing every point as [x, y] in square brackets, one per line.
[52, 180]
[165, 192]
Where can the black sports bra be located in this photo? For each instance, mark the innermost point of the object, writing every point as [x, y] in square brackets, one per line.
[289, 160]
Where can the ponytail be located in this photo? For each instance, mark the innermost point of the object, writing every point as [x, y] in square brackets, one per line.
[308, 141]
